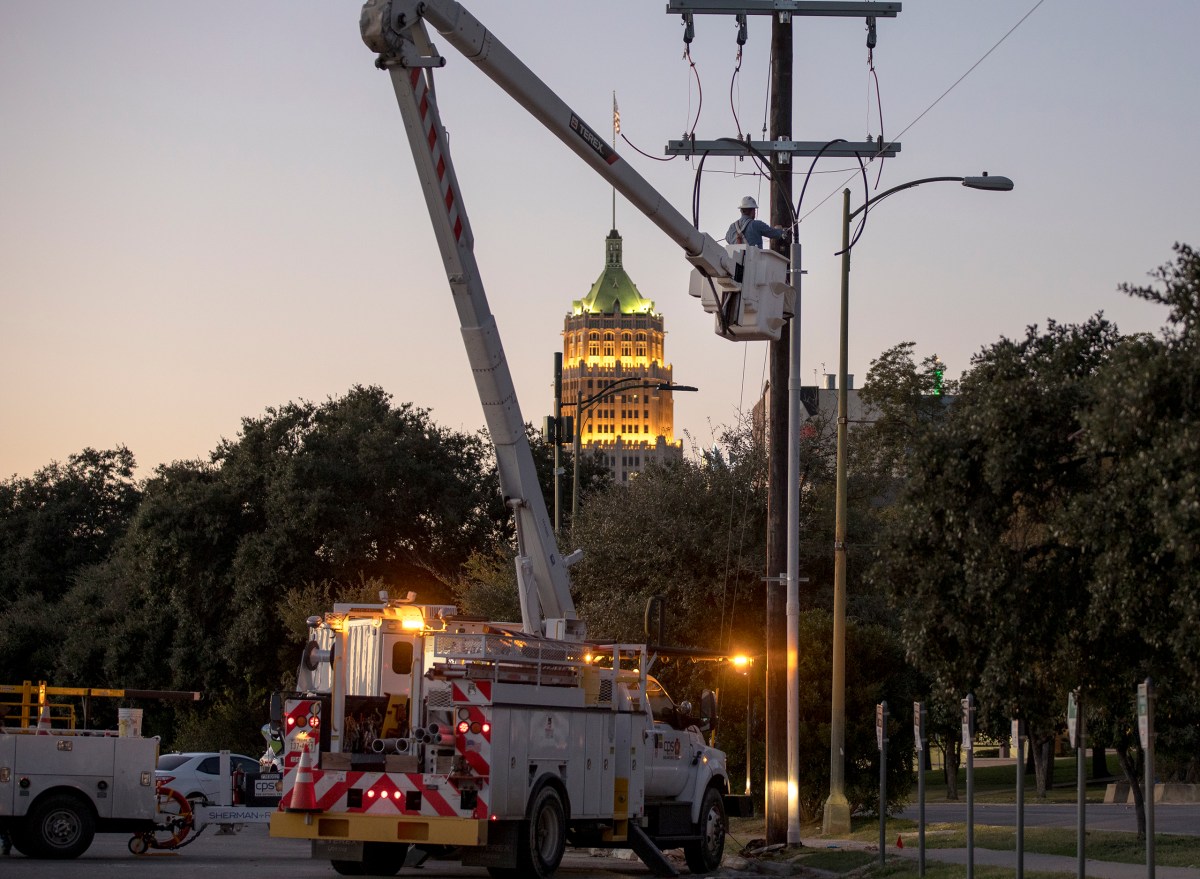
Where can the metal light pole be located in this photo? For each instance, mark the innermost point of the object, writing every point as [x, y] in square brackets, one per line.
[558, 362]
[837, 807]
[583, 404]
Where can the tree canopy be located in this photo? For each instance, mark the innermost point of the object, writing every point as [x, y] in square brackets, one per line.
[1030, 529]
[1043, 536]
[182, 579]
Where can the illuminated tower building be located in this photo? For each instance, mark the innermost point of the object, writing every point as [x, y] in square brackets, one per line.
[613, 334]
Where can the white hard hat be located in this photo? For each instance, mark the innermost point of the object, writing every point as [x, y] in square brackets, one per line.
[748, 203]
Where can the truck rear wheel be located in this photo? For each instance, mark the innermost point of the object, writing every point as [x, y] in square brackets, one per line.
[60, 826]
[544, 839]
[704, 854]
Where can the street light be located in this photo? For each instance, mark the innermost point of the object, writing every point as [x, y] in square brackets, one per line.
[583, 404]
[837, 807]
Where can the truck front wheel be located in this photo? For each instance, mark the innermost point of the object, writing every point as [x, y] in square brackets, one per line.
[704, 854]
[61, 826]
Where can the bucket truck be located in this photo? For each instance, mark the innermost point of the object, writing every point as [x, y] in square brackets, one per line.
[411, 725]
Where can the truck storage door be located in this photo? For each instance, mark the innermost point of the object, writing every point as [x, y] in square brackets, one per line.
[400, 665]
[8, 747]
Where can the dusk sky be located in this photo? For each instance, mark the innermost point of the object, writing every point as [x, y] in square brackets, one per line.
[211, 209]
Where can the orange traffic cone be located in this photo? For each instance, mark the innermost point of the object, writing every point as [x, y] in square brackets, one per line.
[899, 842]
[43, 726]
[304, 792]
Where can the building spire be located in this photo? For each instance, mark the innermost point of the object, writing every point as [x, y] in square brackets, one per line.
[616, 131]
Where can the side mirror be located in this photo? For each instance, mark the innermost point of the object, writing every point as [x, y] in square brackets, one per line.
[708, 711]
[277, 715]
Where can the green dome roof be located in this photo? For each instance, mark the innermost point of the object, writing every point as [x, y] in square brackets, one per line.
[613, 290]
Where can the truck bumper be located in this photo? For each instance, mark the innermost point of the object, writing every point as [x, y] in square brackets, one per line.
[380, 828]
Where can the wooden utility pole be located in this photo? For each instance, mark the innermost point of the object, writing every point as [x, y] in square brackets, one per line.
[780, 127]
[781, 149]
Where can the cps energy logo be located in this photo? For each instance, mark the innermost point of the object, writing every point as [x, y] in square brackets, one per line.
[671, 749]
[593, 140]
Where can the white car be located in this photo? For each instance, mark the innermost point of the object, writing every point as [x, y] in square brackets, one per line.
[197, 775]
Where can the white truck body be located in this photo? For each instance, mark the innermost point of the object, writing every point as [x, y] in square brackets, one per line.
[58, 788]
[453, 744]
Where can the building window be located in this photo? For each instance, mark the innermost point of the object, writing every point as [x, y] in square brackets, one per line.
[641, 345]
[594, 345]
[626, 345]
[609, 343]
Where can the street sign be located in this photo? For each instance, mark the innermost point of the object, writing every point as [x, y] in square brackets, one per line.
[919, 726]
[968, 723]
[1018, 739]
[1073, 719]
[1143, 714]
[881, 724]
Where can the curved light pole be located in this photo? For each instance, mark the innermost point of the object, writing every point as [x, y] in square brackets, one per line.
[837, 807]
[583, 404]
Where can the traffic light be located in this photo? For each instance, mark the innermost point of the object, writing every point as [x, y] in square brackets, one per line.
[560, 430]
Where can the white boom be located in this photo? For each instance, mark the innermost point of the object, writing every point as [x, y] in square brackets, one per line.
[743, 286]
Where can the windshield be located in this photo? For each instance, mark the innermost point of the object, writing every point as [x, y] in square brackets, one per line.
[172, 761]
[661, 706]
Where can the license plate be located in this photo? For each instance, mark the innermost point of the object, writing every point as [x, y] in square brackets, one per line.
[337, 850]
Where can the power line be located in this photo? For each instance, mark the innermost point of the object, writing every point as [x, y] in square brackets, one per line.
[939, 98]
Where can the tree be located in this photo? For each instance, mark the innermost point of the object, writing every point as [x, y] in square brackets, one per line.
[1143, 516]
[310, 501]
[901, 398]
[487, 584]
[975, 545]
[62, 518]
[878, 673]
[53, 527]
[689, 531]
[1138, 526]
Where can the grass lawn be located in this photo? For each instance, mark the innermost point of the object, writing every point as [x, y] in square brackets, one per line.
[994, 782]
[997, 783]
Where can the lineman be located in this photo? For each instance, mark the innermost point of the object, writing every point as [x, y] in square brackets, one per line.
[747, 230]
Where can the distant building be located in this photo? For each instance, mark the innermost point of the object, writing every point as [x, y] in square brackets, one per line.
[614, 334]
[820, 403]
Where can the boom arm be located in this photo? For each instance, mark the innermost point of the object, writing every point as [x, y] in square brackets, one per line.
[744, 287]
[546, 605]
